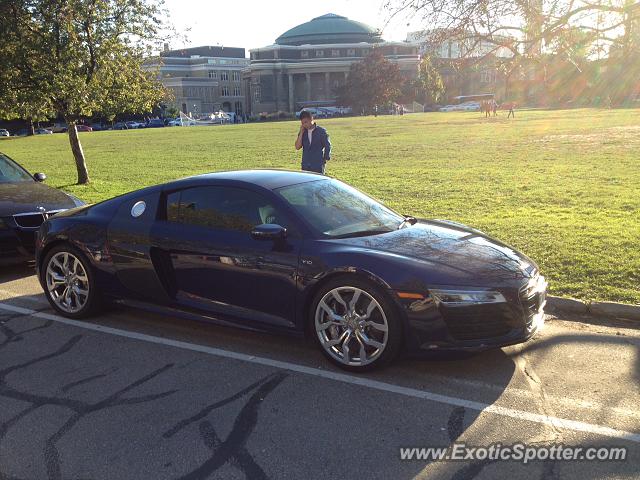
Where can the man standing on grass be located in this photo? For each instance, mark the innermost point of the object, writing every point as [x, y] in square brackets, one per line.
[314, 142]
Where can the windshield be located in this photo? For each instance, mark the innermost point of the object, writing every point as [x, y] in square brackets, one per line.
[338, 210]
[11, 172]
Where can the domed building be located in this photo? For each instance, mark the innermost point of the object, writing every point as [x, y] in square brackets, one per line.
[308, 62]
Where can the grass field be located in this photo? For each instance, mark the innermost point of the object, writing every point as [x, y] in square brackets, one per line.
[562, 186]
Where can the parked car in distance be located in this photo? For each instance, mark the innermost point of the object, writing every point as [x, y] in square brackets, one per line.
[43, 131]
[316, 112]
[4, 133]
[120, 126]
[462, 107]
[298, 253]
[59, 128]
[179, 122]
[155, 123]
[84, 128]
[97, 127]
[25, 202]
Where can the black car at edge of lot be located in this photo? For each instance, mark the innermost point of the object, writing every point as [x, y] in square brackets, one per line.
[25, 203]
[293, 252]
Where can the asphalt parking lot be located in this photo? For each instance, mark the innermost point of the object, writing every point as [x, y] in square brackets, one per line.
[132, 395]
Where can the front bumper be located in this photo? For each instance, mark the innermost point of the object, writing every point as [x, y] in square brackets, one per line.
[16, 246]
[437, 327]
[18, 234]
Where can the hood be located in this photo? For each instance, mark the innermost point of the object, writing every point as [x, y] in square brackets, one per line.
[452, 254]
[23, 197]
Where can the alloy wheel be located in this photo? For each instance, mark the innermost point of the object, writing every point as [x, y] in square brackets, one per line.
[67, 282]
[351, 326]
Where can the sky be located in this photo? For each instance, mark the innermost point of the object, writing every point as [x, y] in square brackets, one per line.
[257, 23]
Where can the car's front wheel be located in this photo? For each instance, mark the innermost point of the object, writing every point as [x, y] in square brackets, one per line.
[69, 283]
[356, 324]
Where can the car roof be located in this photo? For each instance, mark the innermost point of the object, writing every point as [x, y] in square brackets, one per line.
[266, 178]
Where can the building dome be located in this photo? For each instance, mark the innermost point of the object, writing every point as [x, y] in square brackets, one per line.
[329, 28]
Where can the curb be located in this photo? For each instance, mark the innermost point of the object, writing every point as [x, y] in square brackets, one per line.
[608, 309]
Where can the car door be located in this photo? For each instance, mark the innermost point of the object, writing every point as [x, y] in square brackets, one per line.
[204, 251]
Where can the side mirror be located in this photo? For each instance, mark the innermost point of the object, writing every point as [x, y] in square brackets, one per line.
[268, 231]
[39, 177]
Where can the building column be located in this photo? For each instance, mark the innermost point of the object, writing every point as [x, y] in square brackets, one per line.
[292, 105]
[308, 81]
[327, 83]
[276, 89]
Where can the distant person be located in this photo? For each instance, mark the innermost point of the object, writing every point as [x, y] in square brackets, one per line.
[511, 106]
[314, 142]
[494, 107]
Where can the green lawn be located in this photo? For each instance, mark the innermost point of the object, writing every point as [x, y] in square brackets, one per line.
[562, 186]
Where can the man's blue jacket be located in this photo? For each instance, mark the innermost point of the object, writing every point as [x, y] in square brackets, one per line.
[316, 153]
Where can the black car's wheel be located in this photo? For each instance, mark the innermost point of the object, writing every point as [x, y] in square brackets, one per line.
[69, 283]
[355, 324]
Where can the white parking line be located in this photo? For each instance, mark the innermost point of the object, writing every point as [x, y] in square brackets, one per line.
[342, 377]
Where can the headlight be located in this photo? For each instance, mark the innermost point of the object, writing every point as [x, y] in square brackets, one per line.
[537, 284]
[466, 297]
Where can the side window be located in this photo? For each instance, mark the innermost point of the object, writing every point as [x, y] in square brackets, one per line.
[223, 208]
[173, 207]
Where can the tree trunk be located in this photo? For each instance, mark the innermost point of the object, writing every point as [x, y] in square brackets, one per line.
[78, 154]
[30, 128]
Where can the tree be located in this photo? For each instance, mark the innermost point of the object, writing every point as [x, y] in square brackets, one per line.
[430, 82]
[372, 81]
[530, 30]
[524, 27]
[77, 58]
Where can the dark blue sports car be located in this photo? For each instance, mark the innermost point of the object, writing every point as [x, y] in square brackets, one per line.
[293, 252]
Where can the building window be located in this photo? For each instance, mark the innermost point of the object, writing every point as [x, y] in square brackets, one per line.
[319, 53]
[335, 53]
[224, 76]
[213, 74]
[236, 92]
[211, 61]
[351, 52]
[236, 76]
[257, 93]
[225, 91]
[486, 76]
[238, 108]
[222, 62]
[304, 54]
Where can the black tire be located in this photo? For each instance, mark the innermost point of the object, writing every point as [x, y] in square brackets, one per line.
[394, 323]
[94, 301]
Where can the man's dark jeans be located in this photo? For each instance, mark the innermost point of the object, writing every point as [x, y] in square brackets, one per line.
[317, 168]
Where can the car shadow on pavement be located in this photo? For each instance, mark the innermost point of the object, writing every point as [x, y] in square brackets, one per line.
[587, 339]
[16, 272]
[187, 418]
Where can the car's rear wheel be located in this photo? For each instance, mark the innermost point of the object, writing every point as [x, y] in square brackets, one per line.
[69, 282]
[355, 324]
